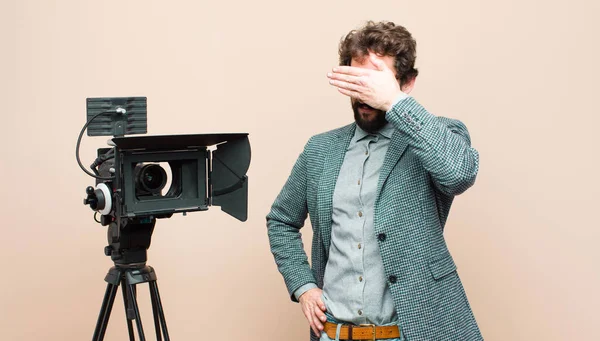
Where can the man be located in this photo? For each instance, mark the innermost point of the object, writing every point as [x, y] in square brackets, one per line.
[378, 192]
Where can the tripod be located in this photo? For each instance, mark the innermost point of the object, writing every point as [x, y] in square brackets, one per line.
[128, 277]
[129, 240]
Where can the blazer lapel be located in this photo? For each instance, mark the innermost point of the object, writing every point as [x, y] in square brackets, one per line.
[397, 147]
[331, 169]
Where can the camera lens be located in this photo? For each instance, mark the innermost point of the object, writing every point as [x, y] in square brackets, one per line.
[150, 178]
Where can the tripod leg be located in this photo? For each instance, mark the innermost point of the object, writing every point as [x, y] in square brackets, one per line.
[107, 303]
[138, 320]
[155, 312]
[128, 316]
[156, 297]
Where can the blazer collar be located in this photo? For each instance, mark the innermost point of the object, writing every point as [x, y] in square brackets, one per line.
[397, 147]
[338, 144]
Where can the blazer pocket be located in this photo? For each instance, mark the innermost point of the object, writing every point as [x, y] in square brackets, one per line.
[442, 266]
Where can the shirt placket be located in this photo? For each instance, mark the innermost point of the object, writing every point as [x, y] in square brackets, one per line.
[362, 218]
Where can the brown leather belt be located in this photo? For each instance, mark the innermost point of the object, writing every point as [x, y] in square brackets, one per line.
[362, 332]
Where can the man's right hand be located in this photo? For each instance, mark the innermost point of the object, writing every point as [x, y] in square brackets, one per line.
[314, 308]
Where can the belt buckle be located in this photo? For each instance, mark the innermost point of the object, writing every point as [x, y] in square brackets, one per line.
[372, 326]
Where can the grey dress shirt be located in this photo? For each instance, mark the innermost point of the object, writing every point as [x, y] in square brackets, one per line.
[355, 289]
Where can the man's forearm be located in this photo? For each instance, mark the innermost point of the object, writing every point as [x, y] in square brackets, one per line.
[442, 144]
[290, 257]
[284, 221]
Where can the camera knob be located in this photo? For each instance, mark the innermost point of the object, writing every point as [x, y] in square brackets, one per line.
[108, 250]
[91, 198]
[99, 198]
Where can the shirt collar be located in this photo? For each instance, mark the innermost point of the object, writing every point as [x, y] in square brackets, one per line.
[386, 131]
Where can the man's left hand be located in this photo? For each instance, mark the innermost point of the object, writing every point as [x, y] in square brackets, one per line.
[377, 88]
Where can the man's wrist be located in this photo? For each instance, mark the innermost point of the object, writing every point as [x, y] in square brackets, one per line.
[400, 97]
[306, 287]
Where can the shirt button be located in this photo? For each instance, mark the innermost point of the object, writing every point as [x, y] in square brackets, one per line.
[359, 246]
[366, 152]
[360, 312]
[381, 237]
[360, 213]
[360, 278]
[359, 182]
[393, 279]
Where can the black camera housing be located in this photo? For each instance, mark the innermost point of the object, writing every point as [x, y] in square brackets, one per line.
[130, 178]
[200, 177]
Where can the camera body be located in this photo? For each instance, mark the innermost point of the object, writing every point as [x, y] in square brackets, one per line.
[198, 177]
[144, 178]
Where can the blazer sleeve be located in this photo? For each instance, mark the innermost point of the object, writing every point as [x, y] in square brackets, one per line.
[442, 144]
[284, 221]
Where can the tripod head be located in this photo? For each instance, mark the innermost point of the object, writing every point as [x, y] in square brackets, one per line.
[129, 243]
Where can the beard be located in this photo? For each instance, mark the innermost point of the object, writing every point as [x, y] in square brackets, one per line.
[368, 118]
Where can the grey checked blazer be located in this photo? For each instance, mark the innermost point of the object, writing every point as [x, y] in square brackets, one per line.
[429, 161]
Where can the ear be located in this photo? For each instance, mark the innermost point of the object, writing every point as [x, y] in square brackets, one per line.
[408, 86]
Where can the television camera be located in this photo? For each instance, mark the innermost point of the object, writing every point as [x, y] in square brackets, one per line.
[145, 178]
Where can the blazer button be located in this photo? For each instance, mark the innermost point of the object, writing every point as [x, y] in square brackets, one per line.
[381, 237]
[393, 279]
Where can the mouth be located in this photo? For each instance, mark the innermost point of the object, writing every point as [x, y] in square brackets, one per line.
[366, 110]
[365, 106]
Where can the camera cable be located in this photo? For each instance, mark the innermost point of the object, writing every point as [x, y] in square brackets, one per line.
[79, 142]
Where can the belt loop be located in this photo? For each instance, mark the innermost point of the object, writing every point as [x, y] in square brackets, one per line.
[350, 332]
[337, 332]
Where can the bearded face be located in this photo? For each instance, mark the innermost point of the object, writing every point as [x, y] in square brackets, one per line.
[368, 118]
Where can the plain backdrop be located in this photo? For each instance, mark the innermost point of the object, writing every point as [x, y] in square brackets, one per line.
[522, 75]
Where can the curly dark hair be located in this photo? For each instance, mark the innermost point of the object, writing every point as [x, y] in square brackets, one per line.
[385, 39]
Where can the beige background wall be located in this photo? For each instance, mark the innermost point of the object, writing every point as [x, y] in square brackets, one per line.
[522, 75]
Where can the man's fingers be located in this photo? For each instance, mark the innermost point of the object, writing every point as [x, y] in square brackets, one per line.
[312, 307]
[315, 330]
[310, 316]
[319, 314]
[317, 318]
[321, 304]
[346, 78]
[351, 70]
[346, 85]
[350, 93]
[308, 313]
[315, 324]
